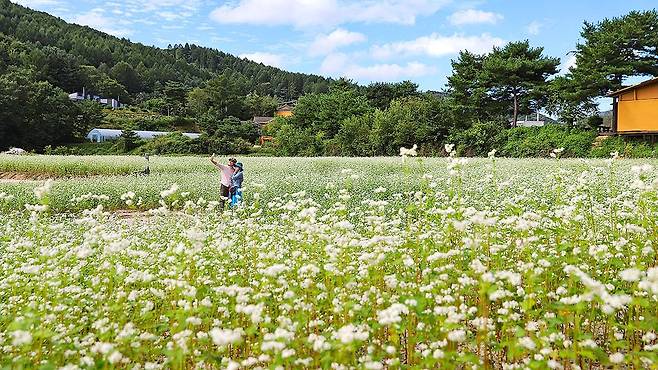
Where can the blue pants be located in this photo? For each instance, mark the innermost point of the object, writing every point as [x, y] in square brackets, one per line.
[236, 197]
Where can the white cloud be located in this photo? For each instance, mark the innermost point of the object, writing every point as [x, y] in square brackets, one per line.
[436, 45]
[473, 16]
[534, 27]
[95, 19]
[324, 13]
[342, 65]
[153, 5]
[325, 44]
[170, 16]
[567, 64]
[36, 3]
[270, 59]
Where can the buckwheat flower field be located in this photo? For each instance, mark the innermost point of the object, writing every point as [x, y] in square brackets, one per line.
[341, 263]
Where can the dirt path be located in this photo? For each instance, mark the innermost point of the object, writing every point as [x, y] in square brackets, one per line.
[22, 176]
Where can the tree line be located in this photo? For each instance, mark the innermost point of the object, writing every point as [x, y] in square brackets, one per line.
[485, 95]
[42, 58]
[44, 54]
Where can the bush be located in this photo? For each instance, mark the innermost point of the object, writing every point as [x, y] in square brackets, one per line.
[104, 148]
[174, 143]
[540, 141]
[225, 145]
[626, 146]
[479, 139]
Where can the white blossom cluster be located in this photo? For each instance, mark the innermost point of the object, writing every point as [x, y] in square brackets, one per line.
[474, 264]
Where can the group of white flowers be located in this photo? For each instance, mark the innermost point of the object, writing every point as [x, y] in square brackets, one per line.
[491, 266]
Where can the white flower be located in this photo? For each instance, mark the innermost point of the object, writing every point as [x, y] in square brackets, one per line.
[392, 314]
[554, 364]
[115, 357]
[492, 153]
[223, 337]
[275, 270]
[21, 337]
[458, 335]
[617, 358]
[167, 193]
[449, 148]
[349, 333]
[527, 343]
[404, 152]
[631, 274]
[43, 190]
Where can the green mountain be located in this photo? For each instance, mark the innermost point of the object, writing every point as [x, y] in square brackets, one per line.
[71, 57]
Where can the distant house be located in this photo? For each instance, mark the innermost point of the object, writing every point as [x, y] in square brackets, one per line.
[635, 108]
[112, 103]
[108, 102]
[533, 120]
[262, 121]
[98, 135]
[76, 96]
[285, 109]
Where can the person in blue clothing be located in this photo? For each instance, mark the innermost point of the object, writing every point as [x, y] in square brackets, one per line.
[236, 184]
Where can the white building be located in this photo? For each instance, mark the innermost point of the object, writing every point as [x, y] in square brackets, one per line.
[112, 103]
[109, 102]
[533, 120]
[104, 134]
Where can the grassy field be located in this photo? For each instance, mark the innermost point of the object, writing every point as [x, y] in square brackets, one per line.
[330, 263]
[113, 176]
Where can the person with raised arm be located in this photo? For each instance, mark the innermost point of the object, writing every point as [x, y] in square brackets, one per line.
[227, 172]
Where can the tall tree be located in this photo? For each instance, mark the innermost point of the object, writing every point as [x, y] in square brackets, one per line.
[263, 106]
[323, 113]
[223, 96]
[125, 74]
[614, 49]
[568, 101]
[507, 81]
[57, 67]
[467, 90]
[381, 94]
[34, 113]
[517, 74]
[95, 81]
[175, 96]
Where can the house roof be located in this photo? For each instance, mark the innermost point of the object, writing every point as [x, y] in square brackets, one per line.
[633, 87]
[263, 120]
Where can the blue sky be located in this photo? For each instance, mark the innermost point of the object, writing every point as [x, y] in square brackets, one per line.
[390, 40]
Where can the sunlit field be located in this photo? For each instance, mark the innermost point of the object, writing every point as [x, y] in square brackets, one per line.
[337, 263]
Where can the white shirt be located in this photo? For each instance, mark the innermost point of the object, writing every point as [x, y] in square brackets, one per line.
[227, 172]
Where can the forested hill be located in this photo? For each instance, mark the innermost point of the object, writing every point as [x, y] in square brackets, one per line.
[71, 56]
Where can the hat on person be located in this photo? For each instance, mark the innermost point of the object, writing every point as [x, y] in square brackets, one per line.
[239, 165]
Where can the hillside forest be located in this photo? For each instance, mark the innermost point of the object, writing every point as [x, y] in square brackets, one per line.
[197, 89]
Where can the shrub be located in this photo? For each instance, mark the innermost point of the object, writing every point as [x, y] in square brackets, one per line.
[540, 141]
[174, 143]
[479, 139]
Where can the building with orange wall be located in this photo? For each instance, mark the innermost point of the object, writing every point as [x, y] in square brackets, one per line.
[285, 110]
[635, 108]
